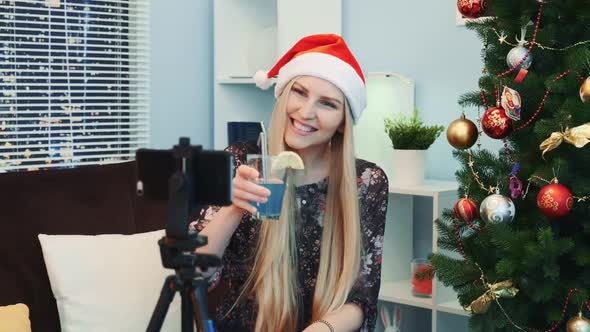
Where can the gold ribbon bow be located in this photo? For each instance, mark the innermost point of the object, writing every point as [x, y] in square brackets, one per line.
[501, 289]
[578, 136]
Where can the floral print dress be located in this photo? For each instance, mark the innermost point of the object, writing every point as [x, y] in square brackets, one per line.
[237, 260]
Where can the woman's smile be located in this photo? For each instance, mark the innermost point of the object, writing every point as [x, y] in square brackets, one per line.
[301, 128]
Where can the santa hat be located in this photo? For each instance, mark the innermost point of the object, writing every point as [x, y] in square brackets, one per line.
[325, 56]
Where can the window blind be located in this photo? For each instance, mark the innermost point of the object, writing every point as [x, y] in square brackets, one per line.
[74, 82]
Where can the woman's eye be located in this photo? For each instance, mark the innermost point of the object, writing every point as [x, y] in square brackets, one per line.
[328, 104]
[299, 91]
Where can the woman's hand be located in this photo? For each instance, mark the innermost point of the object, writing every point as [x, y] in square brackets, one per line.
[347, 319]
[317, 327]
[246, 190]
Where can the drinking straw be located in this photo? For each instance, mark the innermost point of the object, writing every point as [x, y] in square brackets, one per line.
[264, 148]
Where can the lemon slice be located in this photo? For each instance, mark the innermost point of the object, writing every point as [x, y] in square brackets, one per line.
[287, 159]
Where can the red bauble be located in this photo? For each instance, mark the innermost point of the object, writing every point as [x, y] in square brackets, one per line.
[555, 200]
[496, 123]
[466, 210]
[472, 8]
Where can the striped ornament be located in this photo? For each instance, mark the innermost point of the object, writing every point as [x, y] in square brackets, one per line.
[466, 210]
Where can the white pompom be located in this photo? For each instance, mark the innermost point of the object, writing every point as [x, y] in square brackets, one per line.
[262, 80]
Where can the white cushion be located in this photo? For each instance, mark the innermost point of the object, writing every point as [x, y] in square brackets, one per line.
[107, 282]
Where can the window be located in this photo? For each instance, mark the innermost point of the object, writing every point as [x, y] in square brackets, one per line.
[74, 82]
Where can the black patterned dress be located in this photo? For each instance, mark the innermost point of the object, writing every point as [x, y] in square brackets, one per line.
[310, 198]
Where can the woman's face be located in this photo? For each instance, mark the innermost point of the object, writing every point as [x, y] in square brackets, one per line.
[315, 111]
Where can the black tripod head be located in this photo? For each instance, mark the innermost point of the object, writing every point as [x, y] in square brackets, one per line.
[180, 254]
[189, 178]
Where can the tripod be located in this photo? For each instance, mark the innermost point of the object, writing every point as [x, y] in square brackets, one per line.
[177, 250]
[191, 286]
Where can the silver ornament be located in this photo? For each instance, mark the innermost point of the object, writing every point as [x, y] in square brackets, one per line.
[497, 208]
[516, 54]
[578, 323]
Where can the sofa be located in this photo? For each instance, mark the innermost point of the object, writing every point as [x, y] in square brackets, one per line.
[87, 200]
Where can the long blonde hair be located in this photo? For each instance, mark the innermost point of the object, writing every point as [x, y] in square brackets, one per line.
[273, 279]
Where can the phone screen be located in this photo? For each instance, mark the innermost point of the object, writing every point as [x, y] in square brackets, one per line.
[211, 173]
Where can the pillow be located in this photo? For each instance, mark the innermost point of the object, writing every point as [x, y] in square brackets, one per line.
[15, 318]
[107, 282]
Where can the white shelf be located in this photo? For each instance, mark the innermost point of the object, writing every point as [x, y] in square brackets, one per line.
[238, 80]
[452, 307]
[401, 292]
[429, 188]
[406, 239]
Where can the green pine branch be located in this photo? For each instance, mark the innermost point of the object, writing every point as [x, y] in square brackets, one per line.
[545, 258]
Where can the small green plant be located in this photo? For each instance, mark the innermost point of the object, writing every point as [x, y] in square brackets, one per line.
[411, 133]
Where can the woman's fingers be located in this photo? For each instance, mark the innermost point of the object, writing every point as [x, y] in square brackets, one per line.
[248, 196]
[244, 205]
[246, 191]
[244, 181]
[251, 187]
[246, 172]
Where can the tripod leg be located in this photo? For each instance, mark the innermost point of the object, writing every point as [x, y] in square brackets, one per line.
[187, 309]
[166, 296]
[199, 297]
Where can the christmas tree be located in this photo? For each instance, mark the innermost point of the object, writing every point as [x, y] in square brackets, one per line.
[516, 246]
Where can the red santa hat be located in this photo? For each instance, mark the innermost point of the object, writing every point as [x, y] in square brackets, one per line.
[325, 56]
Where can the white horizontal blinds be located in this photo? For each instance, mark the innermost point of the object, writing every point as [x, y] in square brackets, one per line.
[74, 82]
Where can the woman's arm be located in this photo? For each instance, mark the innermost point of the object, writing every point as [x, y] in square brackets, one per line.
[365, 291]
[348, 318]
[220, 229]
[221, 224]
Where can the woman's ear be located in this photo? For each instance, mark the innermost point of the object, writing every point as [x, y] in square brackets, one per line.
[346, 118]
[341, 127]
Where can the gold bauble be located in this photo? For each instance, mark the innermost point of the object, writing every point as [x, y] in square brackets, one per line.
[462, 133]
[578, 324]
[585, 90]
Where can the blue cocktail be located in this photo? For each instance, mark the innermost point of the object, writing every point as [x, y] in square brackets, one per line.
[271, 209]
[273, 180]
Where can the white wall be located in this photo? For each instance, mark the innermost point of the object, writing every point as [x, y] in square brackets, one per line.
[420, 40]
[182, 72]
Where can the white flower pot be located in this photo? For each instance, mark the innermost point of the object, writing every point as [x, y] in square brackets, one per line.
[408, 167]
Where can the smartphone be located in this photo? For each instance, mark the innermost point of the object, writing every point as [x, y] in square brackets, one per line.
[211, 172]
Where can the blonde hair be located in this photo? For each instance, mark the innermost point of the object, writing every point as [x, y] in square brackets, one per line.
[273, 280]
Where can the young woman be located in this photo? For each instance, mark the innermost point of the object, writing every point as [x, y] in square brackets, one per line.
[318, 267]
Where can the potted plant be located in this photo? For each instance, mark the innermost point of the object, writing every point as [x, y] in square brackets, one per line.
[410, 139]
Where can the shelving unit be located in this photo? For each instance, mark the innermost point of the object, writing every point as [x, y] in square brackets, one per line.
[401, 292]
[399, 247]
[251, 35]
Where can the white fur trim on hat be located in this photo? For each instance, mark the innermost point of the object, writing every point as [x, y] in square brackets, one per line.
[262, 80]
[332, 69]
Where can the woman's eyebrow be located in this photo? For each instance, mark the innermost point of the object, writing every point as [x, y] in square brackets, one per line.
[298, 85]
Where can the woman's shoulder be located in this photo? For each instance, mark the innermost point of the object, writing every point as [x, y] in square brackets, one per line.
[370, 178]
[365, 167]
